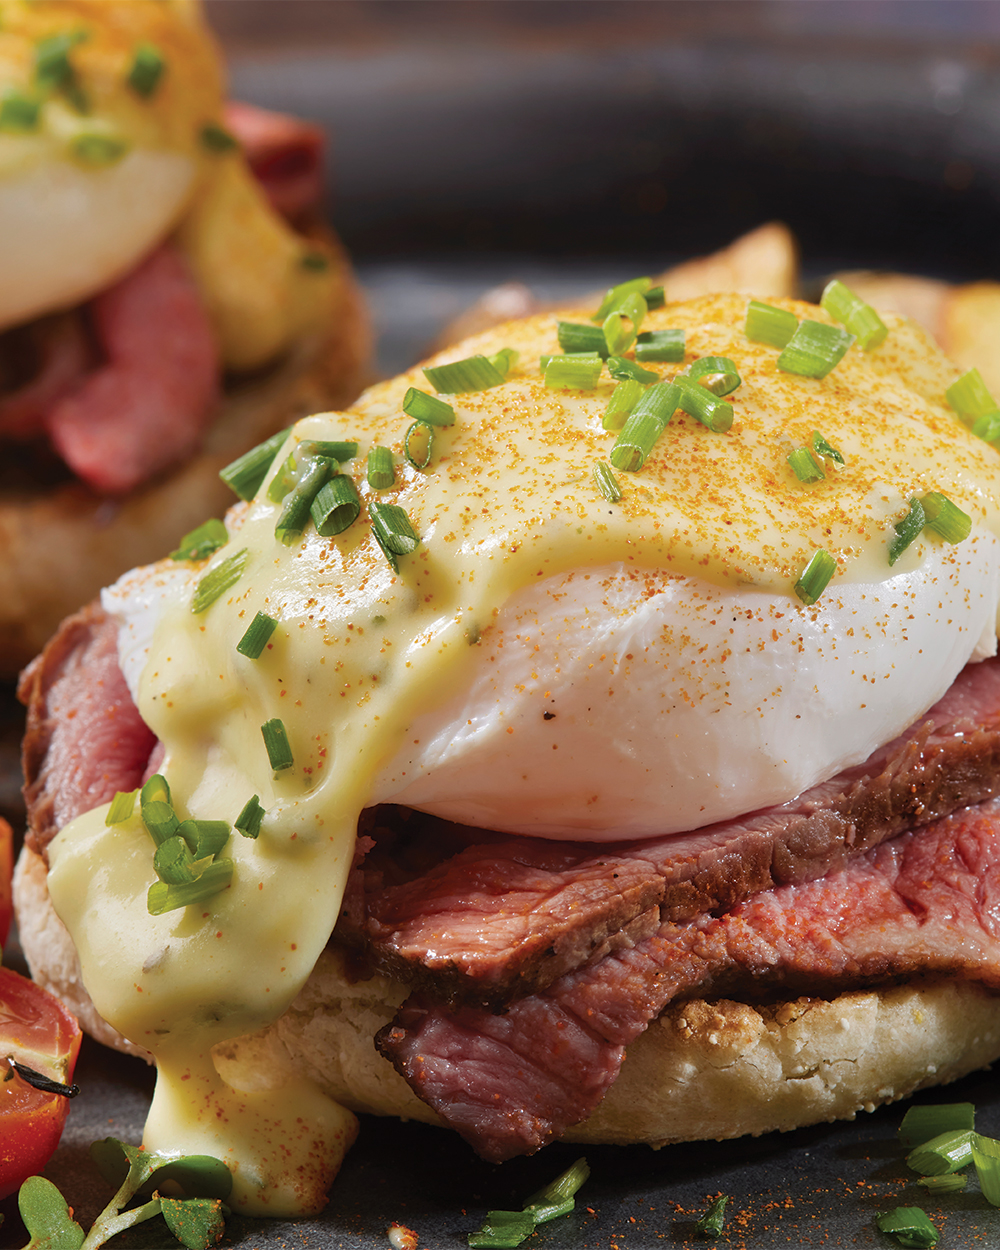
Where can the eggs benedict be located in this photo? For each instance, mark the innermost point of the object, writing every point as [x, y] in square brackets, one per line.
[546, 703]
[158, 315]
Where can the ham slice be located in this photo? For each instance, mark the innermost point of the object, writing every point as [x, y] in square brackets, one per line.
[284, 154]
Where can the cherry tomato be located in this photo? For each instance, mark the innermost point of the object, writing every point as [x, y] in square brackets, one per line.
[35, 1030]
[6, 869]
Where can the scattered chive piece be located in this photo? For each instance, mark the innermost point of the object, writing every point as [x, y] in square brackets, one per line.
[815, 576]
[98, 150]
[504, 360]
[458, 377]
[950, 1183]
[200, 543]
[711, 1223]
[654, 297]
[986, 1155]
[909, 1225]
[660, 401]
[257, 635]
[147, 70]
[162, 898]
[945, 518]
[427, 408]
[618, 335]
[336, 506]
[53, 71]
[987, 427]
[160, 820]
[381, 474]
[416, 433]
[393, 531]
[215, 138]
[823, 448]
[617, 295]
[969, 397]
[804, 466]
[206, 838]
[660, 345]
[635, 441]
[577, 370]
[332, 449]
[245, 474]
[284, 479]
[172, 861]
[624, 398]
[279, 752]
[249, 820]
[606, 482]
[716, 374]
[562, 1189]
[859, 318]
[19, 113]
[705, 407]
[922, 1123]
[218, 580]
[503, 1230]
[621, 370]
[155, 790]
[814, 349]
[947, 1152]
[582, 338]
[296, 509]
[907, 530]
[122, 807]
[767, 324]
[314, 261]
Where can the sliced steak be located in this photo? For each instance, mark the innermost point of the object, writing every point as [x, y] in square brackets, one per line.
[924, 902]
[507, 916]
[84, 738]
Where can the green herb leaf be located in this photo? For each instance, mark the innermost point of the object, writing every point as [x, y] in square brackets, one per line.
[47, 1217]
[197, 1223]
[711, 1223]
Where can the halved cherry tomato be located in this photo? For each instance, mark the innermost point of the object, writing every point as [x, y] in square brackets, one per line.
[35, 1030]
[6, 871]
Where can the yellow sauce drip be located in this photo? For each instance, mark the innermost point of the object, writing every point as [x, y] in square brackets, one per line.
[507, 500]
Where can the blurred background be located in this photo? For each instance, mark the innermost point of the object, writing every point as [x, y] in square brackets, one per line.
[562, 142]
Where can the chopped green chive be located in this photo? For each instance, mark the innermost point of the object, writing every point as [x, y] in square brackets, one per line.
[716, 374]
[577, 371]
[804, 466]
[987, 427]
[705, 407]
[19, 113]
[986, 1155]
[418, 444]
[950, 1183]
[635, 441]
[660, 401]
[617, 295]
[814, 349]
[948, 1152]
[285, 478]
[279, 752]
[427, 408]
[215, 138]
[162, 897]
[654, 297]
[563, 1188]
[922, 1123]
[206, 838]
[200, 543]
[946, 518]
[332, 449]
[296, 510]
[122, 807]
[622, 369]
[147, 70]
[459, 377]
[909, 1225]
[155, 790]
[767, 324]
[218, 580]
[314, 261]
[53, 70]
[621, 326]
[249, 820]
[713, 1221]
[825, 449]
[624, 398]
[257, 636]
[859, 318]
[381, 473]
[98, 150]
[660, 345]
[172, 861]
[393, 531]
[336, 506]
[970, 398]
[504, 360]
[582, 338]
[815, 577]
[503, 1230]
[244, 475]
[907, 530]
[160, 820]
[606, 482]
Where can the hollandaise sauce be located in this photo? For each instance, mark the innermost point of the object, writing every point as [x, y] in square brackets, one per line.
[507, 500]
